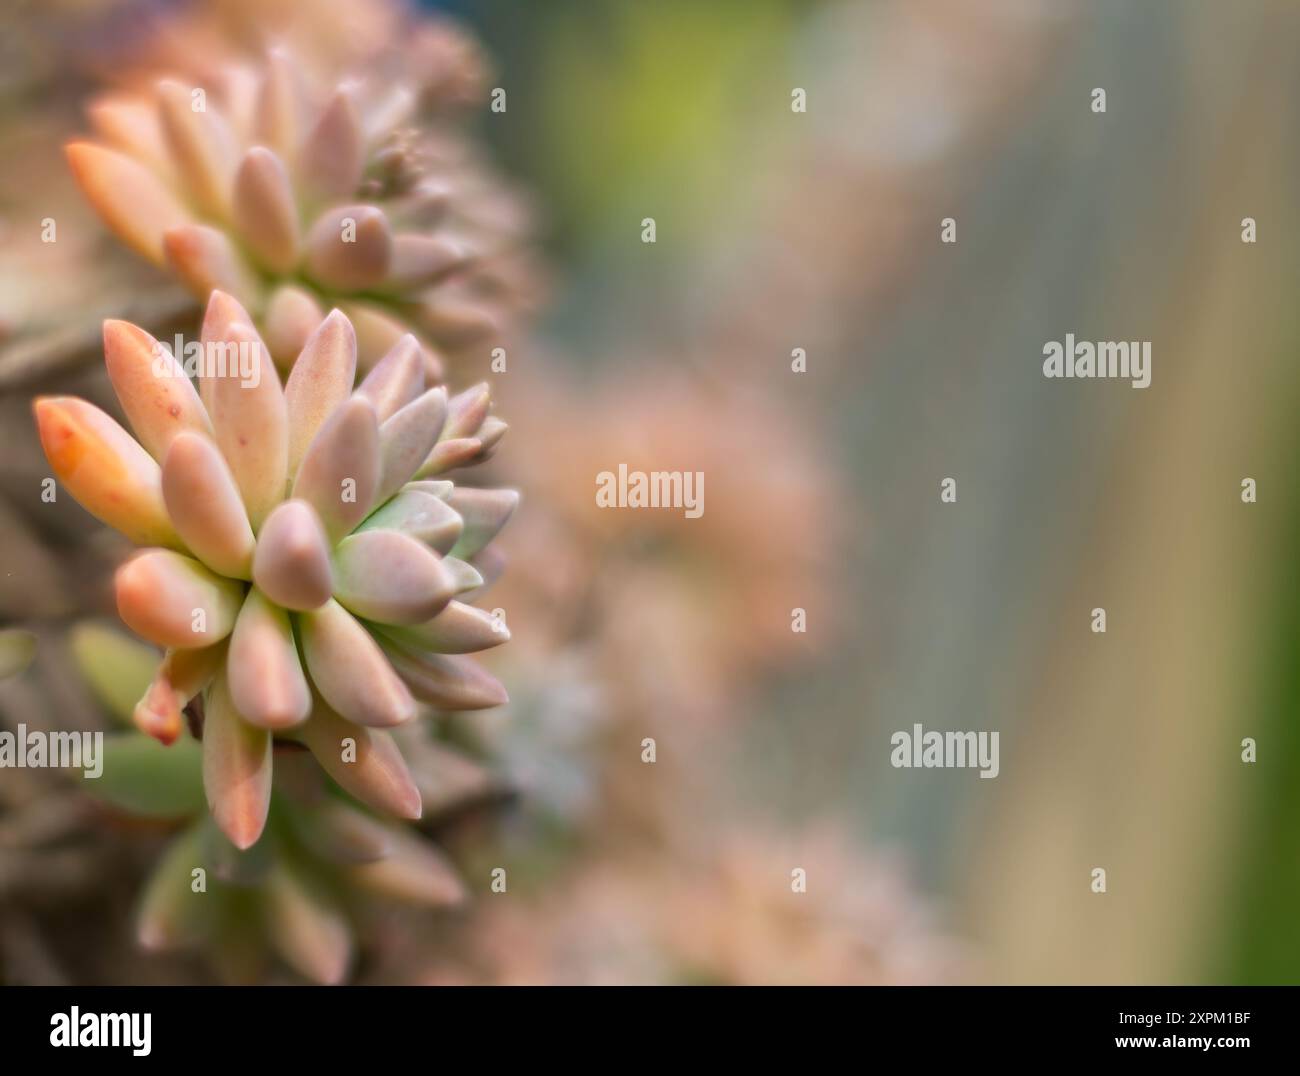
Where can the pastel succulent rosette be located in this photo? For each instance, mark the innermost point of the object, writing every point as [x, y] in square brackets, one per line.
[308, 560]
[294, 199]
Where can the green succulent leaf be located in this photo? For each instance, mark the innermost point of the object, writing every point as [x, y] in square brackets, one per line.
[143, 777]
[118, 668]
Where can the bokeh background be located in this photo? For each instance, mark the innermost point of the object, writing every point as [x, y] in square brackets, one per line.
[775, 231]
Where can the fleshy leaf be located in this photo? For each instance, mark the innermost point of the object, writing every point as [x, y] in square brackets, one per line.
[142, 777]
[321, 379]
[350, 671]
[157, 397]
[390, 577]
[340, 469]
[117, 668]
[265, 677]
[204, 504]
[365, 762]
[236, 768]
[104, 469]
[174, 601]
[292, 563]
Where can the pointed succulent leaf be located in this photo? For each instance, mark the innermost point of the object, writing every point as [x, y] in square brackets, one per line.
[291, 565]
[448, 455]
[236, 768]
[264, 210]
[172, 600]
[181, 675]
[171, 914]
[340, 469]
[466, 411]
[424, 517]
[266, 680]
[292, 315]
[365, 762]
[204, 504]
[485, 512]
[464, 575]
[449, 682]
[420, 260]
[406, 439]
[305, 925]
[201, 146]
[157, 397]
[333, 154]
[321, 379]
[458, 629]
[396, 379]
[343, 834]
[349, 248]
[250, 421]
[104, 469]
[129, 198]
[415, 871]
[350, 671]
[206, 260]
[390, 577]
[279, 105]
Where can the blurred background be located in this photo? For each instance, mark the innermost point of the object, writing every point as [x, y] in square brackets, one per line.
[779, 230]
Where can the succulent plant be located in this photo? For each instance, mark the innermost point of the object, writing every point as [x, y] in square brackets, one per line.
[294, 202]
[306, 890]
[306, 557]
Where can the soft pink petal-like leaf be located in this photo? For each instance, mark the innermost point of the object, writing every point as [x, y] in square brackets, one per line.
[236, 768]
[279, 105]
[458, 629]
[250, 419]
[203, 501]
[333, 154]
[340, 470]
[264, 210]
[365, 762]
[157, 397]
[201, 146]
[130, 199]
[266, 680]
[321, 379]
[485, 512]
[206, 260]
[350, 671]
[406, 439]
[349, 248]
[174, 601]
[426, 518]
[415, 871]
[291, 565]
[104, 469]
[420, 260]
[397, 378]
[447, 681]
[292, 315]
[390, 577]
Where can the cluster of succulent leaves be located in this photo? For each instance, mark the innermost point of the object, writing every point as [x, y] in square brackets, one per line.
[295, 200]
[307, 564]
